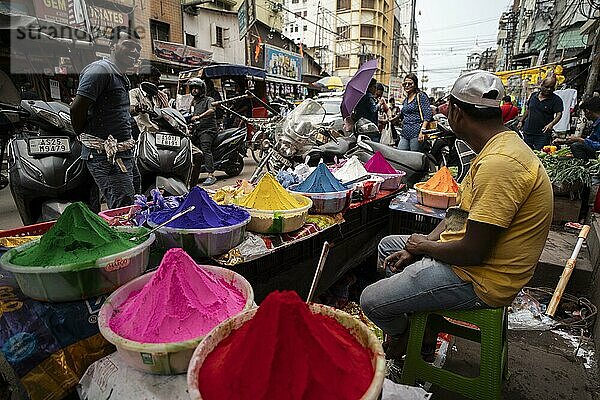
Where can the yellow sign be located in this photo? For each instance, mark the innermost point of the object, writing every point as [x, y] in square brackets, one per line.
[533, 76]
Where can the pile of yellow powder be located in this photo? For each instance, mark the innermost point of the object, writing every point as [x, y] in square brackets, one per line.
[270, 195]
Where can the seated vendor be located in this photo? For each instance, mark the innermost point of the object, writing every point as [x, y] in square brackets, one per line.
[585, 148]
[487, 247]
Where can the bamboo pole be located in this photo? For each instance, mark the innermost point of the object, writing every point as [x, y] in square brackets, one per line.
[567, 271]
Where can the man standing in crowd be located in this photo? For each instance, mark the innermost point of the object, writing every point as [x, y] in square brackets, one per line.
[469, 261]
[100, 115]
[509, 111]
[543, 111]
[205, 128]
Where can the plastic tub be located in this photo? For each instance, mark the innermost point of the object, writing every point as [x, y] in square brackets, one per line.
[160, 358]
[434, 199]
[391, 181]
[369, 191]
[280, 221]
[354, 326]
[117, 216]
[328, 203]
[201, 242]
[62, 283]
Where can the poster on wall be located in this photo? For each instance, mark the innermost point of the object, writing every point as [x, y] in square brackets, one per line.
[396, 88]
[283, 63]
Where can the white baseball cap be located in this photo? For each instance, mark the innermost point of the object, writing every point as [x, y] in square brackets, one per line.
[480, 88]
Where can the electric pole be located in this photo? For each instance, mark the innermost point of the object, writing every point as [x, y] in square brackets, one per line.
[412, 34]
[520, 26]
[594, 67]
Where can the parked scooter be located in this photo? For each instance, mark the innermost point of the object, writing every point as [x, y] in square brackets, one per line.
[164, 158]
[46, 172]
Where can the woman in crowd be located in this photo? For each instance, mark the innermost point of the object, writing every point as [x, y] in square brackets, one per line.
[415, 114]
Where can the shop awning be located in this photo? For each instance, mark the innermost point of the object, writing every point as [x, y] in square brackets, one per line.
[215, 71]
[538, 40]
[274, 79]
[572, 38]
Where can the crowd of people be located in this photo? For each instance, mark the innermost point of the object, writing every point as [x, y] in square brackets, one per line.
[405, 125]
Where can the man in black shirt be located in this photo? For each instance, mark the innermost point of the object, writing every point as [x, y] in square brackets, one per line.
[543, 111]
[205, 126]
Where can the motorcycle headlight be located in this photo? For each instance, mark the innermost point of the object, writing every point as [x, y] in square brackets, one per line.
[49, 116]
[286, 150]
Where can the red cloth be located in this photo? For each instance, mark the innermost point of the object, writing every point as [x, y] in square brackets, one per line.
[509, 112]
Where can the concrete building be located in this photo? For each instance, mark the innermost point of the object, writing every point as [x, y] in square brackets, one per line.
[213, 27]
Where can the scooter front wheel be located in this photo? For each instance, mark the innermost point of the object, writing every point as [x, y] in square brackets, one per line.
[236, 168]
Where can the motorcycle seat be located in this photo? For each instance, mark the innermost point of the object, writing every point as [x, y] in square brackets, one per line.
[412, 160]
[337, 149]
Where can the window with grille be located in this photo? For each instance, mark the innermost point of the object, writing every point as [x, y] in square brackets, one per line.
[159, 30]
[218, 36]
[367, 31]
[342, 61]
[343, 32]
[190, 40]
[367, 4]
[343, 4]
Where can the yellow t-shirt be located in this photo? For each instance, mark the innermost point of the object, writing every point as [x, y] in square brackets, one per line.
[506, 186]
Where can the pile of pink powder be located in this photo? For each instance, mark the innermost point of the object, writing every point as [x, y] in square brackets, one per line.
[182, 301]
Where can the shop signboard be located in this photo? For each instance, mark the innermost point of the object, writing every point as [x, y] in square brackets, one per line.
[53, 10]
[169, 51]
[102, 18]
[196, 57]
[182, 54]
[246, 16]
[284, 64]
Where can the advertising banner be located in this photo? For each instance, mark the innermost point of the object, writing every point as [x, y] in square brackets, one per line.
[283, 63]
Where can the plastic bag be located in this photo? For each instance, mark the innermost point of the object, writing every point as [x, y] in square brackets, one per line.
[386, 136]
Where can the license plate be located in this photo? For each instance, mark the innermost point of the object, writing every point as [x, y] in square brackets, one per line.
[49, 145]
[168, 140]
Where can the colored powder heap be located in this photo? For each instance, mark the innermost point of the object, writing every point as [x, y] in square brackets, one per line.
[78, 237]
[321, 180]
[441, 182]
[379, 165]
[352, 169]
[287, 352]
[207, 214]
[270, 195]
[181, 301]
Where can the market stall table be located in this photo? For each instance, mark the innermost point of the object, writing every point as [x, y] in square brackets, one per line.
[408, 216]
[288, 261]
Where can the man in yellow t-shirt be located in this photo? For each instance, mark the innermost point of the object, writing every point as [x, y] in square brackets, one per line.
[487, 247]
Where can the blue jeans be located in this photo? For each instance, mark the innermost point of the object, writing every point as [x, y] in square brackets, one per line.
[116, 186]
[410, 144]
[426, 285]
[537, 142]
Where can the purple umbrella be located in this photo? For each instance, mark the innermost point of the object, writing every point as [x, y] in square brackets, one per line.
[357, 87]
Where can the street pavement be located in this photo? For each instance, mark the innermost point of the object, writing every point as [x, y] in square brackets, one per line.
[9, 216]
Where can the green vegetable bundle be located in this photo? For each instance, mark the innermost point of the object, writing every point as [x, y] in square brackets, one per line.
[570, 171]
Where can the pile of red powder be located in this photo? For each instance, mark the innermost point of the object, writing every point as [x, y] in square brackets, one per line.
[287, 352]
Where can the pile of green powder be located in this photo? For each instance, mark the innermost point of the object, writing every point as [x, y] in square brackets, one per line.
[78, 237]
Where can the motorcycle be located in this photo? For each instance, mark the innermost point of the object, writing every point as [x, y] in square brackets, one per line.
[45, 169]
[301, 131]
[164, 158]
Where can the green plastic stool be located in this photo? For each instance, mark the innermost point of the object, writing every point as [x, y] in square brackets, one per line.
[493, 364]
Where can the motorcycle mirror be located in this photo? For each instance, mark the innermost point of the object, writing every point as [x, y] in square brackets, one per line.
[150, 89]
